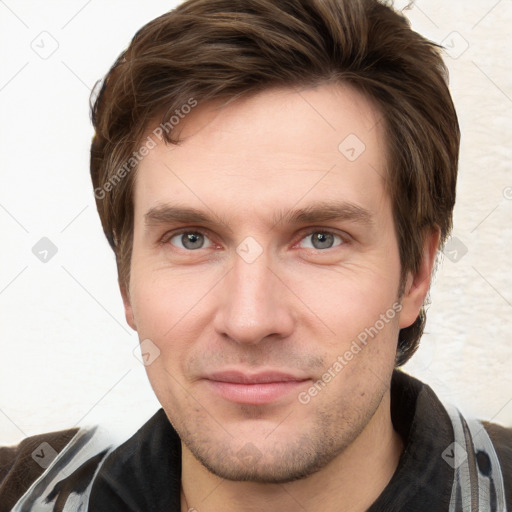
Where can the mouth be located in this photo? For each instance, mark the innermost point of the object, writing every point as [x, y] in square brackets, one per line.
[256, 388]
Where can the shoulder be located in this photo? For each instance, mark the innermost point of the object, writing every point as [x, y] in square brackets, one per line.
[501, 438]
[43, 471]
[143, 473]
[22, 465]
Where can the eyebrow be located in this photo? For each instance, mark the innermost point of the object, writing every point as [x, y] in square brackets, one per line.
[317, 212]
[326, 211]
[166, 214]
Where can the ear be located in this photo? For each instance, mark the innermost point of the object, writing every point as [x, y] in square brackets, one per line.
[418, 284]
[128, 310]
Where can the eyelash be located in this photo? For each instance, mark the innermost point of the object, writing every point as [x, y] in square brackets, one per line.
[344, 238]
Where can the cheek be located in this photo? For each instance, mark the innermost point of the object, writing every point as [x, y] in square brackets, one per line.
[164, 300]
[347, 301]
[169, 320]
[358, 368]
[171, 308]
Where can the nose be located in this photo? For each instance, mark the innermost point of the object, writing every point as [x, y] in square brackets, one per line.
[253, 303]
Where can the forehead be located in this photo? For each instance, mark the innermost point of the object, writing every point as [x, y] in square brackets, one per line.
[269, 152]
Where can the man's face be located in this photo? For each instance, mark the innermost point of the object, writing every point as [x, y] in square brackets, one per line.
[263, 252]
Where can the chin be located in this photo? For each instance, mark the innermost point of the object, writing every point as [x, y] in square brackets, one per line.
[266, 460]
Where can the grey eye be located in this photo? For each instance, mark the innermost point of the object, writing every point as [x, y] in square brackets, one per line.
[190, 240]
[321, 240]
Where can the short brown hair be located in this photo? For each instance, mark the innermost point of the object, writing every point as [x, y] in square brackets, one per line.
[223, 49]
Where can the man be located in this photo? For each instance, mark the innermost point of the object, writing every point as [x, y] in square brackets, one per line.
[275, 179]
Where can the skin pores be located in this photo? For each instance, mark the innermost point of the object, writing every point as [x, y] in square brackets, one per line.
[226, 280]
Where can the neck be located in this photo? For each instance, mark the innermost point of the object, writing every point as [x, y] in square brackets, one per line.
[349, 483]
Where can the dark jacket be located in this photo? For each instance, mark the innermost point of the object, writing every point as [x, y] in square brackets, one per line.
[445, 460]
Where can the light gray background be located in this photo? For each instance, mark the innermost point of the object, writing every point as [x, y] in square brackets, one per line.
[66, 353]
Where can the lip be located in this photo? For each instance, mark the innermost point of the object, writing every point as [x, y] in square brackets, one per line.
[253, 388]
